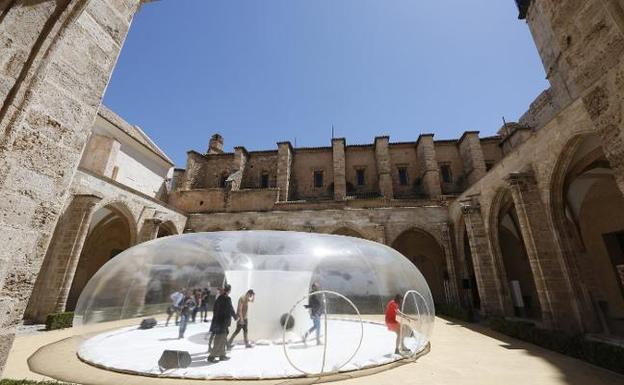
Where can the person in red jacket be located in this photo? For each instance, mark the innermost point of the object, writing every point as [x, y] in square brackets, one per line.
[393, 325]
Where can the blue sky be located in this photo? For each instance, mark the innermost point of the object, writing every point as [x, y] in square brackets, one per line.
[263, 71]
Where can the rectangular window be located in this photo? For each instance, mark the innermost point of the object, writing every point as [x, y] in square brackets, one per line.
[223, 180]
[445, 172]
[318, 179]
[403, 176]
[361, 181]
[264, 180]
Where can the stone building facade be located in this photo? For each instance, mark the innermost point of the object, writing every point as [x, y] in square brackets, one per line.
[529, 226]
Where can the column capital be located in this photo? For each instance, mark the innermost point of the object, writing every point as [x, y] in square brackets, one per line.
[470, 205]
[521, 178]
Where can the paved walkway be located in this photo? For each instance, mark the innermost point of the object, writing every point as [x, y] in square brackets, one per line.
[459, 355]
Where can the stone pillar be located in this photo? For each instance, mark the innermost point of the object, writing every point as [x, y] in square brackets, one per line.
[472, 156]
[102, 155]
[382, 157]
[447, 246]
[56, 61]
[605, 105]
[238, 168]
[340, 181]
[149, 230]
[284, 166]
[194, 174]
[559, 308]
[428, 164]
[55, 278]
[488, 280]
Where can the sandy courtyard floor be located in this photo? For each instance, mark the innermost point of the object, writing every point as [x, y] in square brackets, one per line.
[460, 354]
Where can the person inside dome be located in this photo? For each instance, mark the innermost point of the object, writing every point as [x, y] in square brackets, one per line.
[176, 299]
[392, 308]
[187, 305]
[315, 306]
[222, 314]
[241, 312]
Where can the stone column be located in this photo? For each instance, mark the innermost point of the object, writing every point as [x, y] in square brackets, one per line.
[54, 69]
[472, 156]
[382, 157]
[428, 164]
[284, 166]
[54, 281]
[149, 230]
[559, 308]
[340, 181]
[486, 273]
[447, 246]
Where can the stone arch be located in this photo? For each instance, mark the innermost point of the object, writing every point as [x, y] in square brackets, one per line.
[348, 231]
[111, 231]
[166, 229]
[123, 210]
[584, 195]
[427, 253]
[514, 267]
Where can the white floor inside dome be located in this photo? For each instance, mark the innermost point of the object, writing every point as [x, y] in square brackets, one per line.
[137, 351]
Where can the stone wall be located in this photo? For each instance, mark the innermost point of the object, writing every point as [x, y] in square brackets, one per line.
[56, 62]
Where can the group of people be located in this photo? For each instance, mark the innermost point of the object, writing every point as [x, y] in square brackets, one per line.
[187, 303]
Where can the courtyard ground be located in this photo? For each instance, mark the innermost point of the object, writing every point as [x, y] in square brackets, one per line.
[460, 354]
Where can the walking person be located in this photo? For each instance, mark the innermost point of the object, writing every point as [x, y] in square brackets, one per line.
[197, 294]
[176, 298]
[222, 314]
[242, 323]
[316, 308]
[393, 325]
[186, 309]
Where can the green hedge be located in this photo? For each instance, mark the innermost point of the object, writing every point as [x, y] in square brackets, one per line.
[59, 320]
[455, 311]
[598, 353]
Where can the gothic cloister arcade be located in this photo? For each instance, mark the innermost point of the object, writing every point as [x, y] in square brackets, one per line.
[427, 254]
[110, 233]
[510, 252]
[588, 210]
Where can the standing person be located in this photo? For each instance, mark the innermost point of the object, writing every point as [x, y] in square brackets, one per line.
[241, 312]
[197, 294]
[176, 298]
[315, 306]
[222, 314]
[204, 305]
[393, 325]
[186, 308]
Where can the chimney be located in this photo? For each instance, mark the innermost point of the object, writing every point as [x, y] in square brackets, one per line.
[215, 146]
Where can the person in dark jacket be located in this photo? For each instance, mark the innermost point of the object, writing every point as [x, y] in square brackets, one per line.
[222, 314]
[316, 308]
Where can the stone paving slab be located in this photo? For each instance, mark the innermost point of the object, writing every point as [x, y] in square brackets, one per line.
[460, 355]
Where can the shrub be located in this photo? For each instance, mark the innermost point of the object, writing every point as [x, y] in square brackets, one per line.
[59, 320]
[598, 353]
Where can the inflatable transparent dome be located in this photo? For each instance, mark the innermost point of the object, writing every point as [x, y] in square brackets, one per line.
[302, 303]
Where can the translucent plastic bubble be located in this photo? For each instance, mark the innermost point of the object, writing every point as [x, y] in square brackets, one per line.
[274, 275]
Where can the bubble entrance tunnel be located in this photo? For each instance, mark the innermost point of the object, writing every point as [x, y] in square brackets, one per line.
[313, 304]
